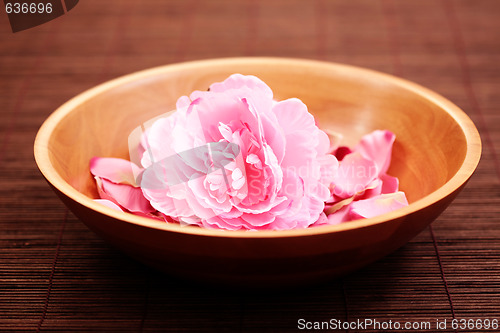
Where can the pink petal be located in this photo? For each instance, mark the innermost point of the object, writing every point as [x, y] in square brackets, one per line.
[341, 215]
[238, 81]
[293, 116]
[109, 204]
[322, 220]
[323, 146]
[154, 215]
[332, 208]
[126, 196]
[355, 173]
[378, 205]
[214, 109]
[389, 184]
[274, 135]
[299, 128]
[182, 102]
[377, 146]
[116, 170]
[167, 218]
[216, 222]
[158, 139]
[372, 190]
[258, 220]
[329, 166]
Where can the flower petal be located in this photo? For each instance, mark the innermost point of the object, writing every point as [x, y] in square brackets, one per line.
[182, 102]
[238, 81]
[126, 196]
[322, 220]
[341, 215]
[378, 205]
[389, 184]
[377, 146]
[116, 170]
[354, 174]
[329, 166]
[258, 220]
[298, 126]
[109, 204]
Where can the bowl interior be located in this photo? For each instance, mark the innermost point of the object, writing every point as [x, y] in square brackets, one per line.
[430, 145]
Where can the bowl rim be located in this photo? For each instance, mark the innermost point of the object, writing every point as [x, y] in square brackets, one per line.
[469, 164]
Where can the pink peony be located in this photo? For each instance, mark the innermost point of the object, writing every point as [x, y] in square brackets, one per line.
[276, 173]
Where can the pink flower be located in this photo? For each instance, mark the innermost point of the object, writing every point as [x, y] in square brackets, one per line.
[233, 158]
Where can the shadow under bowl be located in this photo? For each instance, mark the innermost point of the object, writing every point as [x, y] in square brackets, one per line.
[436, 151]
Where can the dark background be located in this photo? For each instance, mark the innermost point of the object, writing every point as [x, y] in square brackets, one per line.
[57, 275]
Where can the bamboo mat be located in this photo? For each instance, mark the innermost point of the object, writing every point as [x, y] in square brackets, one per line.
[56, 275]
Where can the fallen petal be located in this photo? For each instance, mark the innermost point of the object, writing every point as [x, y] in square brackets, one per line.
[341, 215]
[372, 190]
[322, 220]
[331, 209]
[109, 204]
[116, 170]
[377, 146]
[354, 174]
[126, 196]
[389, 184]
[378, 205]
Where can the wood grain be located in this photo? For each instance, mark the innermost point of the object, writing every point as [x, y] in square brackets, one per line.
[448, 46]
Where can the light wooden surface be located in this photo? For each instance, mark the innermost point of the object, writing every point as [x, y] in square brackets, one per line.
[56, 274]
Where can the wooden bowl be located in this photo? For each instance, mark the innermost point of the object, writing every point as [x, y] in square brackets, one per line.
[437, 149]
